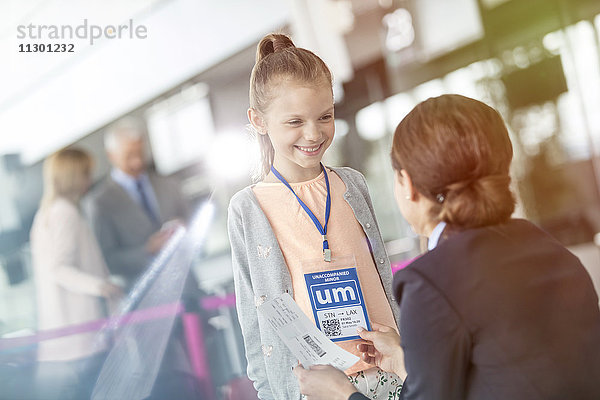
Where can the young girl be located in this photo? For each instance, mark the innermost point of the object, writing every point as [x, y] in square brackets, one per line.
[303, 221]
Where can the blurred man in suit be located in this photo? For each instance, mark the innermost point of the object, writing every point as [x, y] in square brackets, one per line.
[134, 211]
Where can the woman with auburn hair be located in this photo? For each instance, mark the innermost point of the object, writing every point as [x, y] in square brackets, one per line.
[71, 278]
[496, 309]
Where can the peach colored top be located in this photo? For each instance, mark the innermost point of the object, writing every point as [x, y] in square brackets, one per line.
[300, 241]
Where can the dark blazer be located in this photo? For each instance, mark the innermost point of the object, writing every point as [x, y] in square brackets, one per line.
[122, 227]
[501, 312]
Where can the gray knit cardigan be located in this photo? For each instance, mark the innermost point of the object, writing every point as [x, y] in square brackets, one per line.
[260, 273]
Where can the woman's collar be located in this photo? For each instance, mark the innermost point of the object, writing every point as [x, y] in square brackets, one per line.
[434, 238]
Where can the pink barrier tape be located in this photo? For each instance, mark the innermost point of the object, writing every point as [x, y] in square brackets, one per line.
[134, 317]
[215, 302]
[402, 264]
[194, 337]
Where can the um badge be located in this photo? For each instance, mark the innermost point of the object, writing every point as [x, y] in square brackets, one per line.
[337, 303]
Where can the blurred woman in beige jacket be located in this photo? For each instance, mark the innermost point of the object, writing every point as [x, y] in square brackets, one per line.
[72, 280]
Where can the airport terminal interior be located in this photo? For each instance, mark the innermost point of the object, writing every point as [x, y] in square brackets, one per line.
[185, 80]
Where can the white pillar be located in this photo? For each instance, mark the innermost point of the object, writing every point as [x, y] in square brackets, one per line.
[319, 26]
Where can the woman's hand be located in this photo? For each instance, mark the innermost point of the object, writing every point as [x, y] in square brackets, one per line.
[323, 382]
[383, 349]
[111, 291]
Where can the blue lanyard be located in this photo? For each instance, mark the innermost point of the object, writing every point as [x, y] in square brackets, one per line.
[322, 229]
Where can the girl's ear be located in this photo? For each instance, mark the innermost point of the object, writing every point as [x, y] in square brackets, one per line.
[257, 121]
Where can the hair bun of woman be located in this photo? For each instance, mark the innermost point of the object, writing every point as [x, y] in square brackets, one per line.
[478, 202]
[272, 43]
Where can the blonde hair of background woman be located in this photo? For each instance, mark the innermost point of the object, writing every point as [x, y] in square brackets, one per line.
[66, 175]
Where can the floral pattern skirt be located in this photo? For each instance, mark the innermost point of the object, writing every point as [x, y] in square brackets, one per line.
[377, 384]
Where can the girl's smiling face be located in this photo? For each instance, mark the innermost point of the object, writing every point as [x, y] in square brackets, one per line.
[300, 123]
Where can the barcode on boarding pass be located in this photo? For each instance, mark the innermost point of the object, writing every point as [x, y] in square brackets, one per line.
[314, 346]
